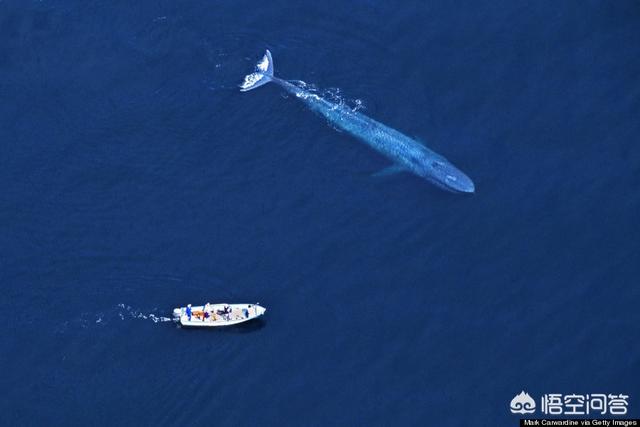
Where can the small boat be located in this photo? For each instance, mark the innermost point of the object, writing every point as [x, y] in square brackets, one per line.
[213, 315]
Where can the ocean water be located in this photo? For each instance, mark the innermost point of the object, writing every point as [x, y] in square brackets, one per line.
[136, 178]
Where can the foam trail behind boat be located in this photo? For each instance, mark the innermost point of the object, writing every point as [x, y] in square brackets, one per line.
[128, 311]
[115, 315]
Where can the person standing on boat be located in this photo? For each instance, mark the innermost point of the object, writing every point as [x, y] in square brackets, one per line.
[189, 311]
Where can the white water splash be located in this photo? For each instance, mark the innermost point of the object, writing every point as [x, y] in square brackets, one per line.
[119, 313]
[126, 311]
[332, 94]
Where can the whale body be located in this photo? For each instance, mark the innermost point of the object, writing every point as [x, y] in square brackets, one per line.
[406, 153]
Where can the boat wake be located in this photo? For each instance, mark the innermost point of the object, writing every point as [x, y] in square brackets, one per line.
[126, 311]
[119, 313]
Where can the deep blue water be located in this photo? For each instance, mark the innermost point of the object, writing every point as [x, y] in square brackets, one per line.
[135, 178]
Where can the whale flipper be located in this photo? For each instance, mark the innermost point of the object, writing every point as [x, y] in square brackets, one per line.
[262, 75]
[390, 170]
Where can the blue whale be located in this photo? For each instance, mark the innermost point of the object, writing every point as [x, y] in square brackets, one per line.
[407, 154]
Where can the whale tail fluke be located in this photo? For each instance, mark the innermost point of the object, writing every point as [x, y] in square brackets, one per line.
[262, 75]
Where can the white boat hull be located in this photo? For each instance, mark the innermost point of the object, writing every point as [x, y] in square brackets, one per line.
[216, 315]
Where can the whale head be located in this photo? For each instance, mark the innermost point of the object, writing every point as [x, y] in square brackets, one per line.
[443, 174]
